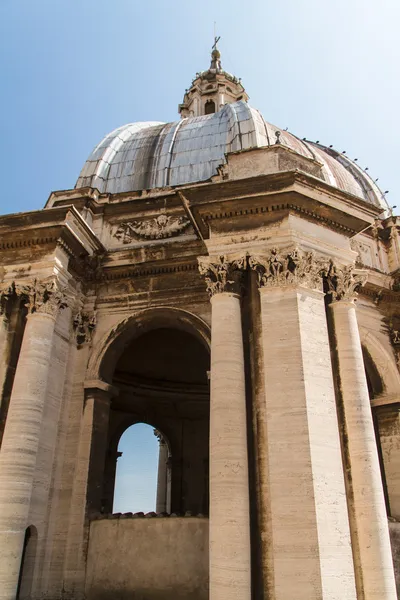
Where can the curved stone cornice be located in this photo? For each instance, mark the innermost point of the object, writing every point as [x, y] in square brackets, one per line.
[222, 274]
[42, 297]
[343, 282]
[282, 268]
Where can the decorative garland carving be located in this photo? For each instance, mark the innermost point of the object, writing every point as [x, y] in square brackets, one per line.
[282, 268]
[84, 325]
[222, 274]
[43, 297]
[343, 282]
[159, 228]
[394, 332]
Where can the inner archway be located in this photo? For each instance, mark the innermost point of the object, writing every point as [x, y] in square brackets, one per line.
[162, 378]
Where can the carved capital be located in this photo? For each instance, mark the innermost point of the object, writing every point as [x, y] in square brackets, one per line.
[343, 282]
[84, 325]
[289, 267]
[222, 274]
[7, 294]
[161, 227]
[43, 297]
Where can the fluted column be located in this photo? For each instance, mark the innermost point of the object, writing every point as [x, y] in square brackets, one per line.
[310, 545]
[370, 534]
[22, 430]
[230, 577]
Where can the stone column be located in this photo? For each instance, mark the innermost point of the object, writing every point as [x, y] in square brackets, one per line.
[230, 576]
[162, 475]
[388, 420]
[368, 519]
[22, 430]
[6, 295]
[310, 547]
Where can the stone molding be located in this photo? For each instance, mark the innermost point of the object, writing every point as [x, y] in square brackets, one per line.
[343, 282]
[84, 325]
[159, 228]
[281, 268]
[222, 274]
[42, 297]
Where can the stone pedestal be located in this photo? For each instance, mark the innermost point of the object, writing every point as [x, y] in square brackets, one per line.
[368, 519]
[20, 442]
[310, 545]
[230, 576]
[388, 420]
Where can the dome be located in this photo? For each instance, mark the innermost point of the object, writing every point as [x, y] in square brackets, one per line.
[151, 155]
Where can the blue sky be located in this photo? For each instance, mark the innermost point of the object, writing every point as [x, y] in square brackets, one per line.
[136, 480]
[72, 70]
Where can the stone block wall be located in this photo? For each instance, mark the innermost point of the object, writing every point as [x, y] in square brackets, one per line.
[153, 558]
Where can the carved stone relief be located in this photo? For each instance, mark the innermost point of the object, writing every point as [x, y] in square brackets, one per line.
[343, 282]
[84, 325]
[42, 297]
[161, 227]
[222, 274]
[282, 268]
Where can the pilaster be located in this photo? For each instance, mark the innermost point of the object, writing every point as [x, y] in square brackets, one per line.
[388, 420]
[310, 537]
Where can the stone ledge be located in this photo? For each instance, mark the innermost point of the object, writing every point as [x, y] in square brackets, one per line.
[149, 515]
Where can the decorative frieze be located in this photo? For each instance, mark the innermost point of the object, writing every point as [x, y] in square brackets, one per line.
[222, 274]
[343, 282]
[42, 297]
[294, 267]
[84, 325]
[159, 228]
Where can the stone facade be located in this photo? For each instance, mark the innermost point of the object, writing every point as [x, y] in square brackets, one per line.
[253, 320]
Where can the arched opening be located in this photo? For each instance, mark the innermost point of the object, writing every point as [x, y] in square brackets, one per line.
[162, 380]
[375, 388]
[27, 564]
[209, 107]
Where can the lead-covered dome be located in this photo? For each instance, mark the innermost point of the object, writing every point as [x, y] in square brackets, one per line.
[152, 155]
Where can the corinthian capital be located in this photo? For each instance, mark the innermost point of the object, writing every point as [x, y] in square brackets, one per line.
[43, 297]
[289, 267]
[343, 282]
[222, 274]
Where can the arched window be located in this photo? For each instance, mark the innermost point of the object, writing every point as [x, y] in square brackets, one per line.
[137, 470]
[27, 564]
[209, 107]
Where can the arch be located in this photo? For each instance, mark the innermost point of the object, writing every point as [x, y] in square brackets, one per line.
[109, 349]
[209, 107]
[383, 360]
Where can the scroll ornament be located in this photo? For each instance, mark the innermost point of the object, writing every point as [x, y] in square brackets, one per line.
[343, 282]
[284, 268]
[222, 274]
[161, 227]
